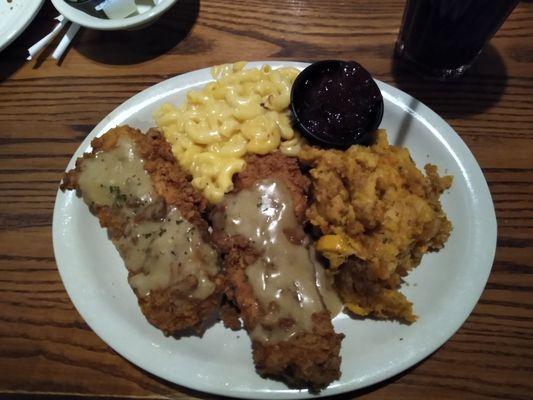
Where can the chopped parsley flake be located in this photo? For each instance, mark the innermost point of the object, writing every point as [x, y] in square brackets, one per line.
[120, 198]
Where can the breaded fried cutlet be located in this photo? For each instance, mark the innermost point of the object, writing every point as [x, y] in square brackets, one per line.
[270, 272]
[135, 187]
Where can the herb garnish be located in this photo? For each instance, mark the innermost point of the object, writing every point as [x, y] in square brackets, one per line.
[120, 198]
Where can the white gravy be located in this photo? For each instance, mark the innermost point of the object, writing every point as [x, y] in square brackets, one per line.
[324, 283]
[116, 175]
[159, 251]
[284, 278]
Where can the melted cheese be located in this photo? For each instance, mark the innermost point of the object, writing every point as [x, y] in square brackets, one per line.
[283, 278]
[159, 247]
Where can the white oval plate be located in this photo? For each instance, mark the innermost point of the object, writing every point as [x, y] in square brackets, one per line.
[444, 288]
[15, 16]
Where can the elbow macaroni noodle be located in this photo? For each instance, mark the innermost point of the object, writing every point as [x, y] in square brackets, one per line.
[241, 112]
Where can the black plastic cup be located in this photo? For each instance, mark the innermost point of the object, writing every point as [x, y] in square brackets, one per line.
[340, 111]
[442, 38]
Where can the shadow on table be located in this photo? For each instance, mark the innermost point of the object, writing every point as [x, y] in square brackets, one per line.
[14, 55]
[481, 87]
[135, 46]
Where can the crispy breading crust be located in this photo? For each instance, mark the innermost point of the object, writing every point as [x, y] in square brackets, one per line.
[171, 183]
[309, 359]
[276, 165]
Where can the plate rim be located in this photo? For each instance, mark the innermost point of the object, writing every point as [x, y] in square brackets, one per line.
[21, 27]
[488, 224]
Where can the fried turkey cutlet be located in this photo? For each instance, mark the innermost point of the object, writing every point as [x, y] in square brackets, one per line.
[135, 187]
[271, 273]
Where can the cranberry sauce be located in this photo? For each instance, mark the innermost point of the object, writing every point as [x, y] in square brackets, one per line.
[336, 103]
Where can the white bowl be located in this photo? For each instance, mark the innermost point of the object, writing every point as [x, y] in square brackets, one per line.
[135, 21]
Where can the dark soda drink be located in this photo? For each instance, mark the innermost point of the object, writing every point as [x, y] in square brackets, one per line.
[442, 38]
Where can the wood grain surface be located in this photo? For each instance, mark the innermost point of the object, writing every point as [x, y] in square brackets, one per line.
[48, 351]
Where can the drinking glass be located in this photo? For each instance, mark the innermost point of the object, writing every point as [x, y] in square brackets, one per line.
[442, 38]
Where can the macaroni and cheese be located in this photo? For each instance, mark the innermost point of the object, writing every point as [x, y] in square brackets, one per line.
[242, 111]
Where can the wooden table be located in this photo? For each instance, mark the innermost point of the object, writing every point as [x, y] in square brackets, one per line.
[46, 110]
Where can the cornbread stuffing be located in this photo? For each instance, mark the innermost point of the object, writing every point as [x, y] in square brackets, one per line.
[377, 214]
